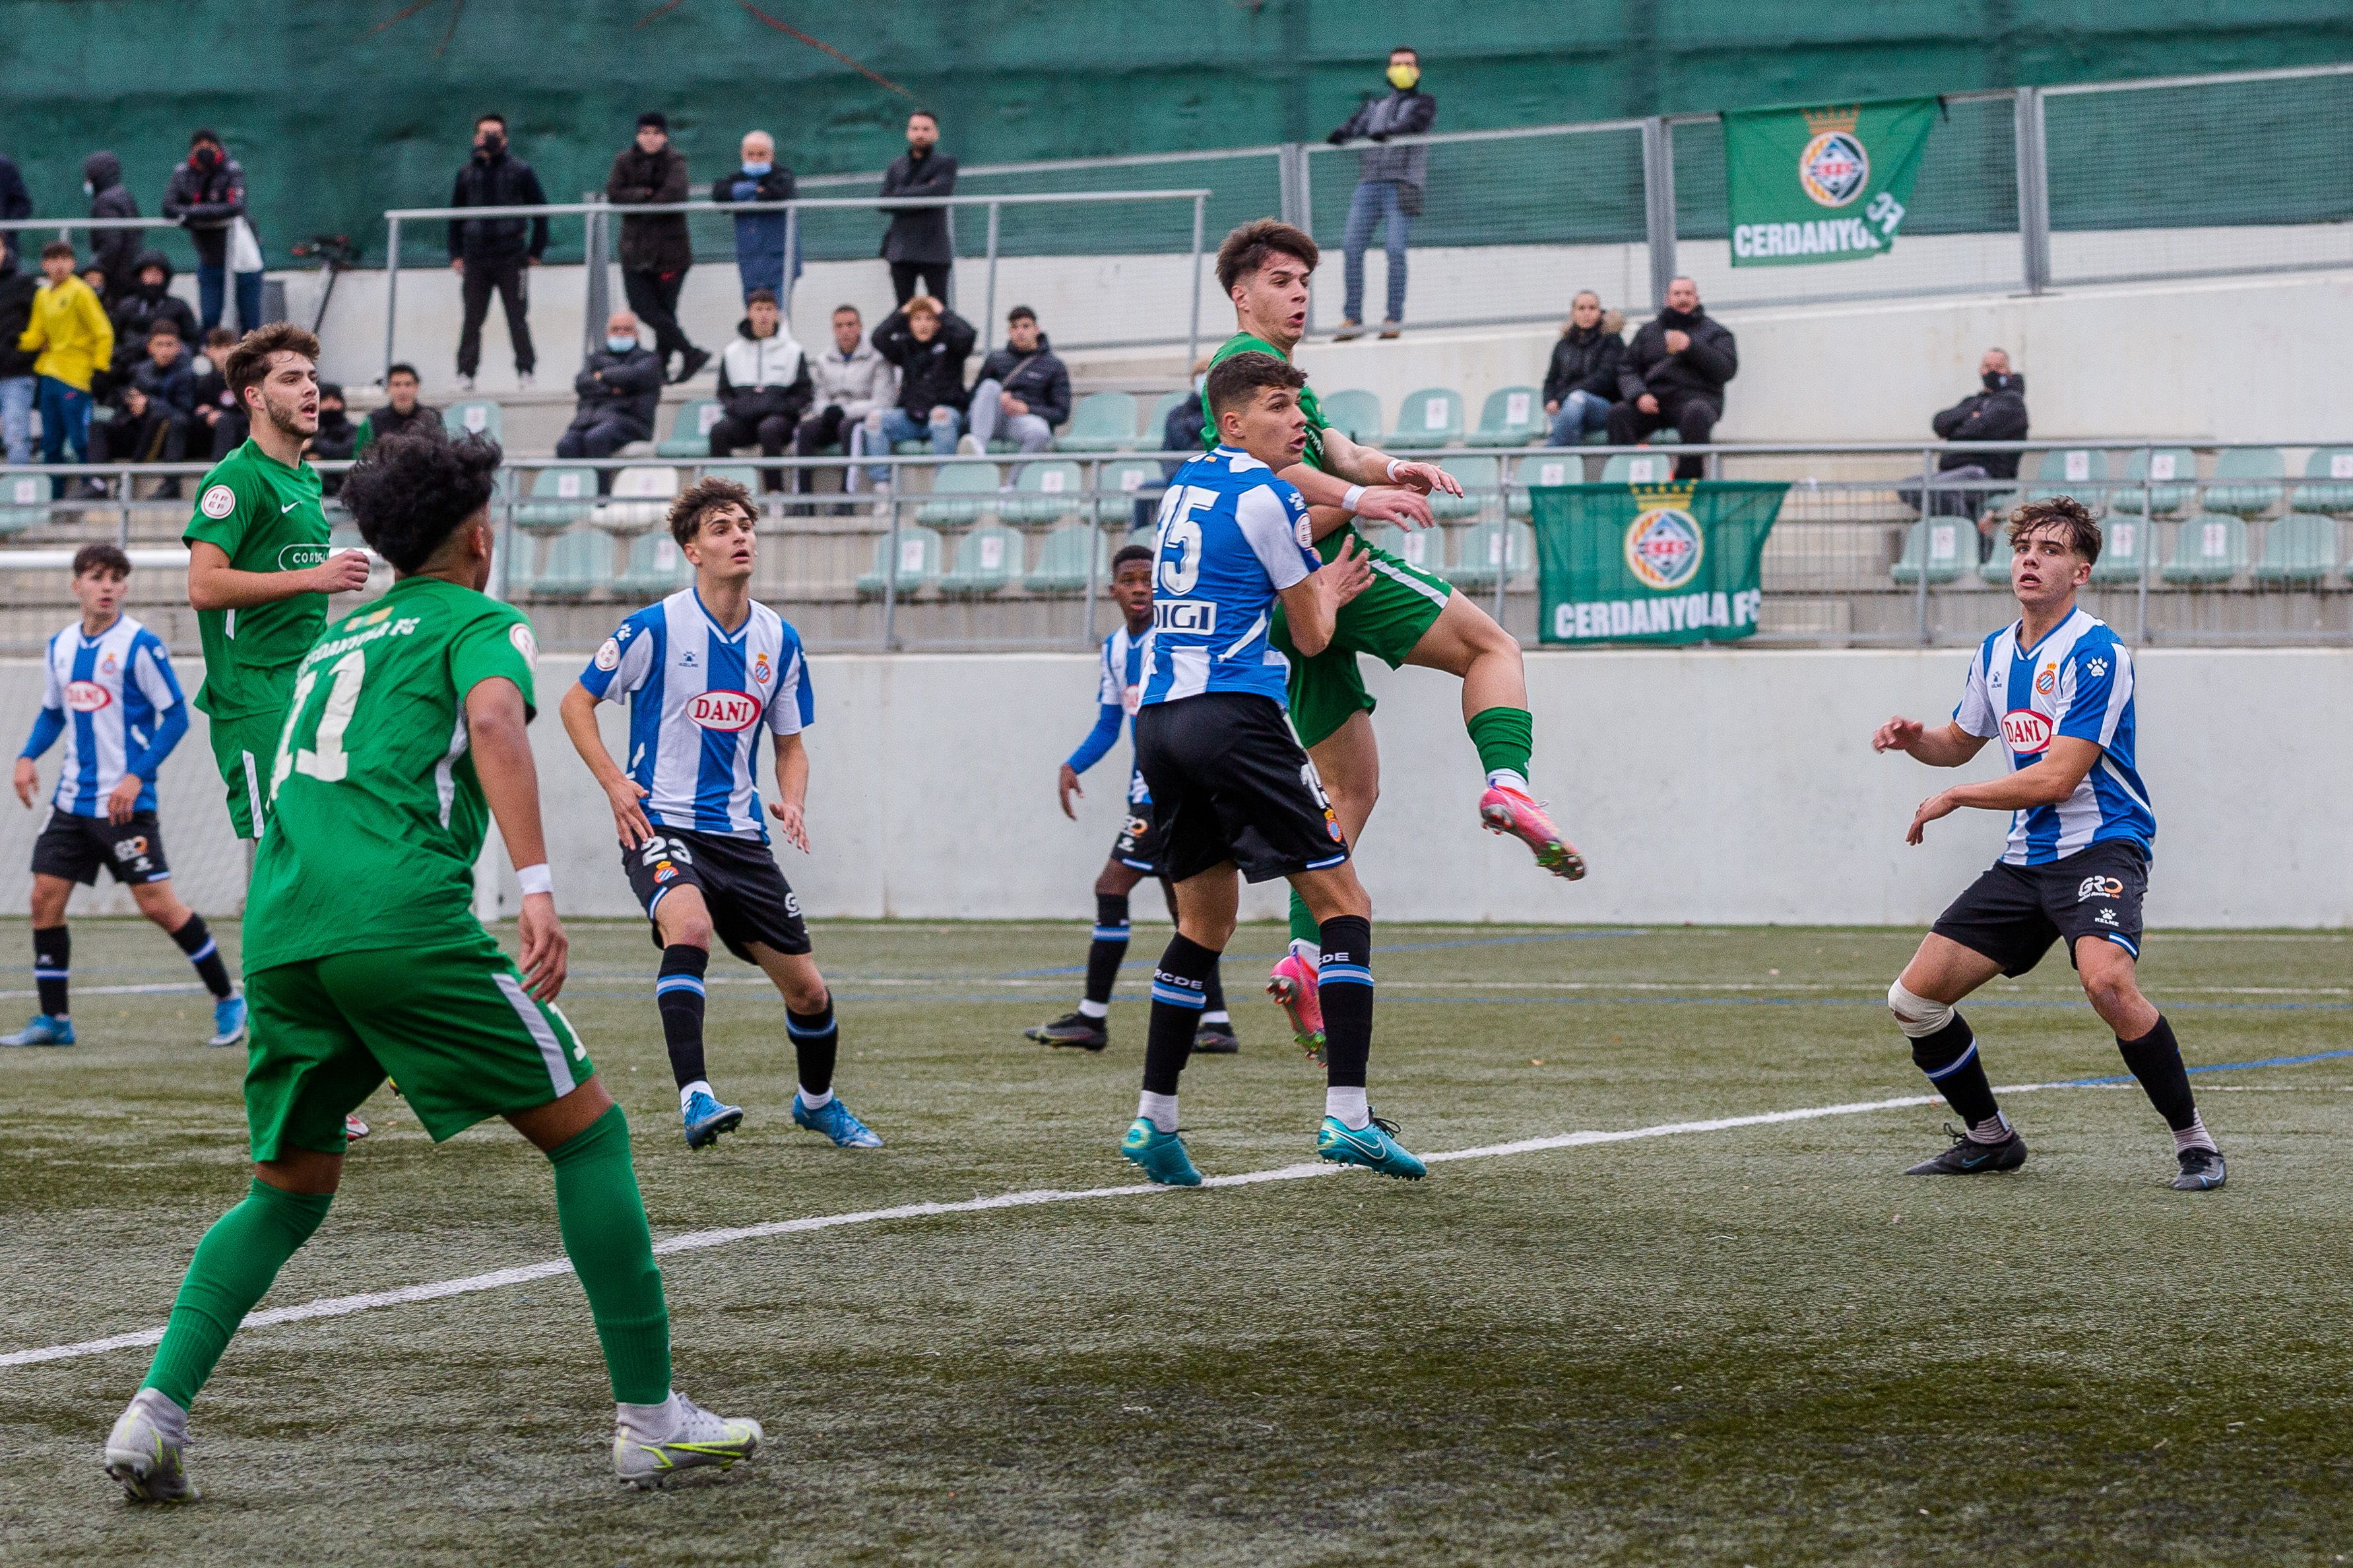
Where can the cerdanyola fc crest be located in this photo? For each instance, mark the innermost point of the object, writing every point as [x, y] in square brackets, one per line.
[1664, 545]
[1833, 168]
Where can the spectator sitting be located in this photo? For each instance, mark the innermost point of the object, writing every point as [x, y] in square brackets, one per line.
[17, 290]
[619, 386]
[1996, 414]
[1674, 373]
[853, 381]
[920, 242]
[763, 387]
[338, 438]
[1582, 381]
[399, 410]
[15, 201]
[929, 344]
[74, 341]
[148, 300]
[1389, 182]
[495, 253]
[656, 251]
[207, 198]
[219, 409]
[115, 250]
[155, 412]
[1022, 385]
[759, 237]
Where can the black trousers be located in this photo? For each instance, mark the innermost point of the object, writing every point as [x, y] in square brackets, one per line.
[1692, 416]
[821, 429]
[769, 432]
[939, 281]
[510, 278]
[654, 297]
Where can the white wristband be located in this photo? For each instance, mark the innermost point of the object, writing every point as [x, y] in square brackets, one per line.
[1393, 467]
[535, 880]
[1348, 503]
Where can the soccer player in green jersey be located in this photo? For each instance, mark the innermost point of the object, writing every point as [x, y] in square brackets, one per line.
[405, 735]
[1406, 617]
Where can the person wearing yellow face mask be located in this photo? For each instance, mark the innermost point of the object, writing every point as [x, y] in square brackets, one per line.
[1388, 186]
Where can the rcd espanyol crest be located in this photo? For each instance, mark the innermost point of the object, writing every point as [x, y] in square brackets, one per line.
[1833, 168]
[1664, 545]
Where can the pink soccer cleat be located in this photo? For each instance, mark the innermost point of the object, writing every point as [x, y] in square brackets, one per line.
[1292, 986]
[1508, 811]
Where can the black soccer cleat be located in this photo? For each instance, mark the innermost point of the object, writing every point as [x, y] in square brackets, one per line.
[1215, 1040]
[1070, 1030]
[1967, 1157]
[2201, 1170]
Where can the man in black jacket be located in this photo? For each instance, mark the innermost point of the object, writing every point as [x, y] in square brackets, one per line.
[655, 251]
[618, 385]
[115, 250]
[929, 344]
[1997, 413]
[1675, 374]
[763, 387]
[920, 243]
[1023, 388]
[16, 379]
[207, 198]
[492, 253]
[1582, 380]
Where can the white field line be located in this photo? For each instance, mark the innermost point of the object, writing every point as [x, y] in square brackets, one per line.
[702, 1240]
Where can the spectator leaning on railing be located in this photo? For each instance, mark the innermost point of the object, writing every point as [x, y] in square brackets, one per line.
[496, 253]
[1582, 380]
[155, 411]
[851, 381]
[763, 387]
[929, 344]
[759, 237]
[73, 340]
[1675, 374]
[1995, 413]
[655, 249]
[399, 409]
[1389, 182]
[15, 201]
[920, 244]
[17, 290]
[116, 250]
[1023, 387]
[619, 387]
[207, 198]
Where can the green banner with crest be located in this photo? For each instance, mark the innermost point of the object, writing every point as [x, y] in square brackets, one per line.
[1652, 562]
[1822, 185]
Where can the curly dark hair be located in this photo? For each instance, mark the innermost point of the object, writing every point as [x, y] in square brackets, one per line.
[1128, 552]
[686, 513]
[2064, 515]
[409, 491]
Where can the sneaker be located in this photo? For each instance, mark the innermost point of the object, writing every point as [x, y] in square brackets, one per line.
[144, 1453]
[1348, 331]
[706, 1119]
[354, 1129]
[1967, 1157]
[523, 380]
[1292, 986]
[1509, 811]
[689, 364]
[969, 446]
[1392, 328]
[465, 382]
[1071, 1030]
[1217, 1040]
[1373, 1146]
[1162, 1154]
[2201, 1170]
[696, 1438]
[833, 1118]
[41, 1029]
[229, 1021]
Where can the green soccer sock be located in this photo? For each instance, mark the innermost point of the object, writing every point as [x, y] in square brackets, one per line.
[232, 1269]
[1504, 737]
[1305, 927]
[602, 1218]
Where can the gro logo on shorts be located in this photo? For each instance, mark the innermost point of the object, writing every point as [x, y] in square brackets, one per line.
[2025, 731]
[2099, 888]
[87, 696]
[217, 502]
[723, 710]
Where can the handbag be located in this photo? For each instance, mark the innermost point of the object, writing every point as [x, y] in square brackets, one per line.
[244, 249]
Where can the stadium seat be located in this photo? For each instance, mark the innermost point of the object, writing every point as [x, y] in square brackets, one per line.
[2122, 541]
[1044, 493]
[1483, 554]
[24, 501]
[2248, 481]
[2299, 548]
[1546, 469]
[477, 418]
[1430, 417]
[657, 567]
[1995, 568]
[1422, 547]
[559, 498]
[1511, 416]
[987, 559]
[1637, 469]
[2332, 467]
[574, 564]
[1102, 422]
[690, 429]
[2211, 547]
[918, 561]
[1062, 563]
[1480, 477]
[1355, 414]
[961, 493]
[1942, 543]
[1129, 478]
[2164, 464]
[2079, 471]
[744, 473]
[641, 501]
[1156, 419]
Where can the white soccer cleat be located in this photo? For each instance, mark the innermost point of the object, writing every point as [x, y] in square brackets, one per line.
[696, 1437]
[143, 1451]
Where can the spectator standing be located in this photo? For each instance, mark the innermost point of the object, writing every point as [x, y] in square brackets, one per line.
[207, 198]
[1675, 374]
[137, 309]
[73, 341]
[155, 411]
[655, 251]
[1997, 412]
[929, 344]
[759, 237]
[763, 387]
[851, 379]
[1023, 387]
[399, 409]
[496, 253]
[1389, 182]
[116, 250]
[1582, 380]
[15, 201]
[618, 386]
[16, 380]
[920, 242]
[218, 410]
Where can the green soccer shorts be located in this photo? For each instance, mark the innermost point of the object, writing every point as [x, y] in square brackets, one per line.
[244, 747]
[452, 1025]
[1386, 620]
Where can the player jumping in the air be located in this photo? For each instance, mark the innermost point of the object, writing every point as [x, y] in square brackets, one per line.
[706, 672]
[1406, 617]
[1135, 853]
[404, 735]
[110, 695]
[2057, 687]
[1229, 786]
[260, 567]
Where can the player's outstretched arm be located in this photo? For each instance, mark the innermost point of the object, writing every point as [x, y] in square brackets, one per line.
[1313, 604]
[496, 735]
[1370, 465]
[622, 793]
[2057, 776]
[1948, 746]
[215, 584]
[792, 790]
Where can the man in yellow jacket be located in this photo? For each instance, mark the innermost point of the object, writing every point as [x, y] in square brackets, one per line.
[73, 338]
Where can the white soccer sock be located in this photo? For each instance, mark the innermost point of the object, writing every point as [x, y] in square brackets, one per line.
[1160, 1110]
[1091, 1009]
[1348, 1106]
[689, 1092]
[1504, 778]
[1308, 952]
[2194, 1136]
[1218, 1017]
[1992, 1129]
[642, 1421]
[817, 1100]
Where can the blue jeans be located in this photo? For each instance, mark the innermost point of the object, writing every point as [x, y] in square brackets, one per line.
[1374, 203]
[1580, 411]
[210, 286]
[65, 418]
[945, 426]
[17, 418]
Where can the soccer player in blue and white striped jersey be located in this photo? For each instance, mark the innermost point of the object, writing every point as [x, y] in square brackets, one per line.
[2056, 687]
[706, 673]
[109, 695]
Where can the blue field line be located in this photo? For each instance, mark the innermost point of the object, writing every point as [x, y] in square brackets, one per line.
[2217, 1067]
[1379, 948]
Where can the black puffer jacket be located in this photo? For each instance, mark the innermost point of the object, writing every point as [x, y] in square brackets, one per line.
[931, 375]
[1702, 368]
[505, 181]
[1038, 378]
[138, 307]
[626, 384]
[115, 250]
[1997, 414]
[207, 202]
[1586, 359]
[656, 242]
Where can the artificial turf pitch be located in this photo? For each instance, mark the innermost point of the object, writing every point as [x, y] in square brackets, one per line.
[1755, 1344]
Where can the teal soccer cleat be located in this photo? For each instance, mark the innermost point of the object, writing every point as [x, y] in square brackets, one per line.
[42, 1030]
[1161, 1154]
[229, 1021]
[833, 1118]
[1374, 1147]
[706, 1119]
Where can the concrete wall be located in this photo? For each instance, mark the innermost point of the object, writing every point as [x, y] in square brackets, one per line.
[1716, 786]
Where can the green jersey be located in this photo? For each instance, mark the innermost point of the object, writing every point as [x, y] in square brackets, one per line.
[378, 815]
[1245, 343]
[266, 517]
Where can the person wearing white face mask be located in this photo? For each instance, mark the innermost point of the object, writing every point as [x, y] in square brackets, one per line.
[618, 386]
[759, 237]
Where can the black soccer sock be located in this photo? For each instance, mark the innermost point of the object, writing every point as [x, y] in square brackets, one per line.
[1949, 1058]
[678, 992]
[195, 939]
[52, 961]
[1344, 978]
[1179, 991]
[1213, 996]
[817, 1041]
[1107, 951]
[2156, 1059]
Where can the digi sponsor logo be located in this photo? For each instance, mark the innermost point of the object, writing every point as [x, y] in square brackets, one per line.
[87, 696]
[723, 710]
[1196, 616]
[302, 557]
[2099, 888]
[2025, 731]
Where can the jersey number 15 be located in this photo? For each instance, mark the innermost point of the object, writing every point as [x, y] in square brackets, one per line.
[1179, 540]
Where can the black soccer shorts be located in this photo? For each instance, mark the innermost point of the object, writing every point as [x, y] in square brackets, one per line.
[741, 886]
[1229, 782]
[2014, 914]
[1137, 848]
[75, 848]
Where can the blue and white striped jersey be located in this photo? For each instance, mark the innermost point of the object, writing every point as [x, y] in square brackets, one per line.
[699, 699]
[1231, 537]
[1123, 671]
[2077, 681]
[116, 703]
